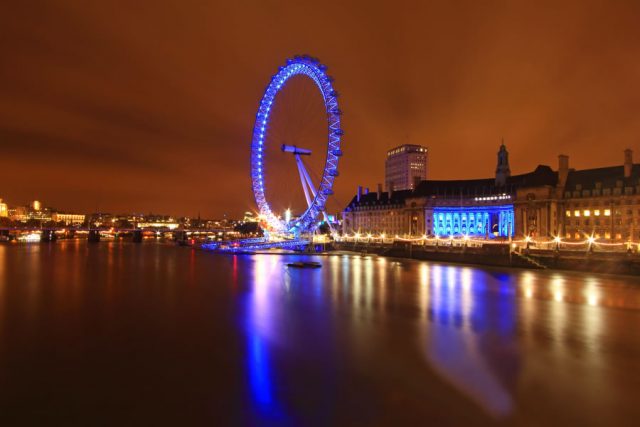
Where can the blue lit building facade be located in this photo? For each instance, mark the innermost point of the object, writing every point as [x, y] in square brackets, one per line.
[474, 221]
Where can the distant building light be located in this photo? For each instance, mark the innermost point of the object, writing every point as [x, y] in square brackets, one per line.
[502, 196]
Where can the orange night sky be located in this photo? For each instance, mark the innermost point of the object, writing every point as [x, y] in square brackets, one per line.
[148, 106]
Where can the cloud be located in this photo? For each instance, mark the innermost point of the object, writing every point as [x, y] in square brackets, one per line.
[160, 95]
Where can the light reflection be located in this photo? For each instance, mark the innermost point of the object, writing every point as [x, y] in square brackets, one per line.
[259, 325]
[345, 276]
[357, 281]
[381, 278]
[423, 293]
[592, 292]
[335, 268]
[527, 284]
[467, 297]
[453, 348]
[593, 318]
[557, 288]
[368, 282]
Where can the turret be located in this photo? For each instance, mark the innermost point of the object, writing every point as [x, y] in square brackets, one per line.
[502, 170]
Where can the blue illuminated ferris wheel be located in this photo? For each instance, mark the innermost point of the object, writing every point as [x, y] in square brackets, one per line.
[315, 195]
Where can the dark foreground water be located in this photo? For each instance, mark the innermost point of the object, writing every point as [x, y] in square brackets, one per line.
[124, 334]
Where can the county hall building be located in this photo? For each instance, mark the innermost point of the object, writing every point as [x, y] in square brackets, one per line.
[545, 203]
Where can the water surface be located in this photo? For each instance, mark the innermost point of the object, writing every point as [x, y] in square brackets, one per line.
[150, 334]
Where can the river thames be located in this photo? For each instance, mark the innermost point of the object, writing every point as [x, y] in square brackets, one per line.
[154, 334]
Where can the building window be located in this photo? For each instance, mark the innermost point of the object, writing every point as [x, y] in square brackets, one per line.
[568, 213]
[596, 212]
[576, 213]
[587, 213]
[607, 212]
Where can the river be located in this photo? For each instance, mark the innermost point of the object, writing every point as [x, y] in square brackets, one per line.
[118, 333]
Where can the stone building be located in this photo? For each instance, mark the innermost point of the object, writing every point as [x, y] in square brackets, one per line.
[603, 203]
[68, 218]
[4, 209]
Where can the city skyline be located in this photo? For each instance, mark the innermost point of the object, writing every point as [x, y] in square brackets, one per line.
[104, 111]
[292, 213]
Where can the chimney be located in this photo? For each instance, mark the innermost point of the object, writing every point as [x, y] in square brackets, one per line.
[563, 170]
[628, 162]
[416, 181]
[379, 191]
[359, 194]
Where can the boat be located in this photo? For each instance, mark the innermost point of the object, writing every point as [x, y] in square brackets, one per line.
[306, 264]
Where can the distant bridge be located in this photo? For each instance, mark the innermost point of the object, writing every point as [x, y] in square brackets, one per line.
[48, 234]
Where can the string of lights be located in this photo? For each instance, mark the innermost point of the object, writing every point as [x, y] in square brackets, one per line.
[555, 242]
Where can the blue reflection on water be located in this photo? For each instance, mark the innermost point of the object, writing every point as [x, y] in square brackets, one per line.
[259, 372]
[267, 272]
[461, 311]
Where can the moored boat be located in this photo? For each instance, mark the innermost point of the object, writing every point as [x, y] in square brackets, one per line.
[304, 264]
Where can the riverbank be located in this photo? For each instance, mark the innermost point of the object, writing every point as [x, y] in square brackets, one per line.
[502, 256]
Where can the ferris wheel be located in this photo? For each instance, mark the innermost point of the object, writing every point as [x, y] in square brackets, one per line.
[315, 194]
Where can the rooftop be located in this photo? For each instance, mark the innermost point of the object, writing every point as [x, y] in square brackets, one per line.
[407, 148]
[608, 177]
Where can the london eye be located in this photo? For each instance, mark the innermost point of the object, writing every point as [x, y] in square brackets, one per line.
[316, 187]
